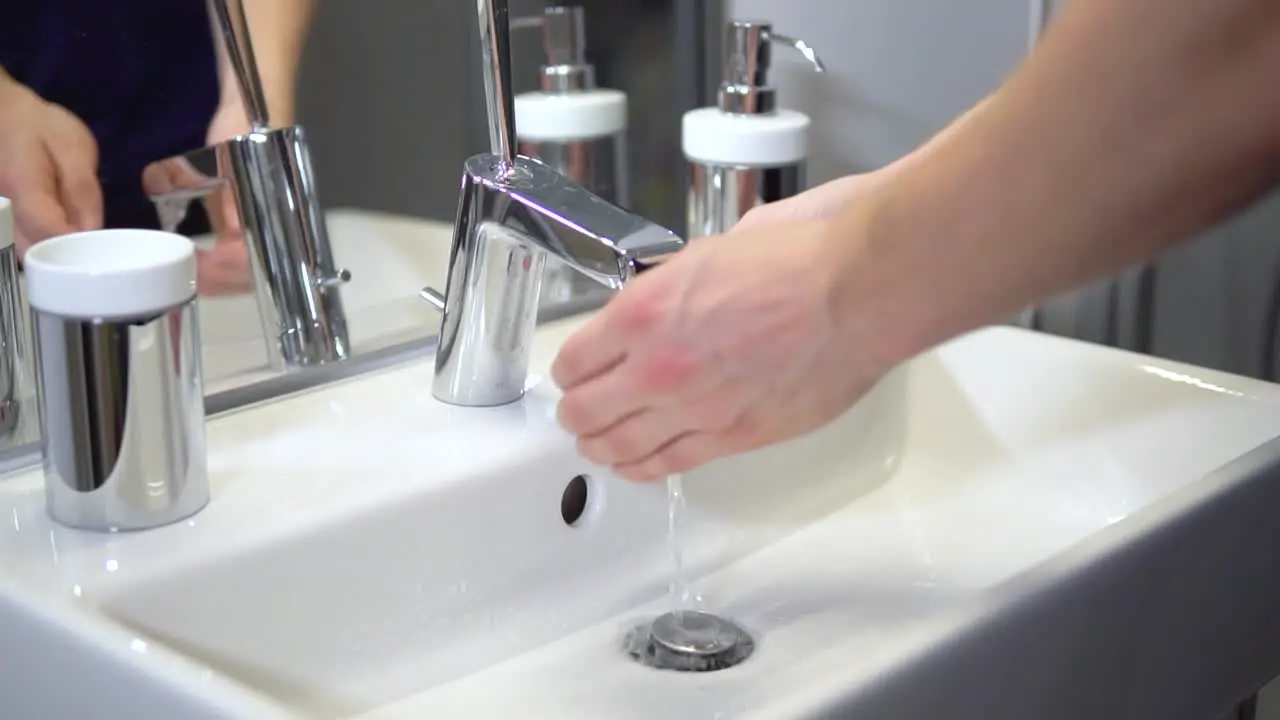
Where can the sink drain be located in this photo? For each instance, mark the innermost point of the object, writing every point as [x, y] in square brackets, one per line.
[689, 641]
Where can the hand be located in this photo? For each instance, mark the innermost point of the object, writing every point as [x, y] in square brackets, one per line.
[224, 269]
[733, 344]
[48, 167]
[817, 203]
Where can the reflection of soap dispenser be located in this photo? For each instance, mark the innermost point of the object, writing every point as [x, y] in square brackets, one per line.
[570, 124]
[746, 151]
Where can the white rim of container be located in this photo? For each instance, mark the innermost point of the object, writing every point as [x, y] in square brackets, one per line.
[105, 274]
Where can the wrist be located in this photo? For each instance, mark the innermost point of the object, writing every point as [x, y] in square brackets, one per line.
[279, 104]
[888, 291]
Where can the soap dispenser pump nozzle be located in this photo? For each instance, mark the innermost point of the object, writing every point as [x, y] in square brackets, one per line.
[564, 41]
[745, 89]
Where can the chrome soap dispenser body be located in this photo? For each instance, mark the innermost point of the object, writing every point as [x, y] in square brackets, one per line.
[745, 151]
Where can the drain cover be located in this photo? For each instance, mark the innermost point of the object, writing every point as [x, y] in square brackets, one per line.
[689, 641]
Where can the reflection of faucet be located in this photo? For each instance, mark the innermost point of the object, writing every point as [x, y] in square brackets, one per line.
[268, 173]
[513, 211]
[12, 335]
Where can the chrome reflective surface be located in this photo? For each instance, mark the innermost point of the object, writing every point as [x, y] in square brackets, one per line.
[122, 404]
[748, 54]
[512, 212]
[270, 177]
[271, 180]
[15, 375]
[564, 39]
[233, 29]
[719, 195]
[598, 165]
[508, 222]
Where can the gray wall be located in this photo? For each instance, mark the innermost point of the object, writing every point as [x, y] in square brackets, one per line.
[391, 94]
[384, 95]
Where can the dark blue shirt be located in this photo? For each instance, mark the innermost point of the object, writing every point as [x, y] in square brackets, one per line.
[140, 73]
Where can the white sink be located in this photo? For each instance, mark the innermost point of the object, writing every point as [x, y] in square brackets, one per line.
[390, 258]
[372, 553]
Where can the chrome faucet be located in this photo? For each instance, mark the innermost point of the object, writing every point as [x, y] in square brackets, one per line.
[512, 212]
[269, 174]
[16, 384]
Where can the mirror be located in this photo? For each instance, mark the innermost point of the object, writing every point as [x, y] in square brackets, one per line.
[389, 120]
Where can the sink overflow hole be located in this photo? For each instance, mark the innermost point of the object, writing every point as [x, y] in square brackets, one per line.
[573, 503]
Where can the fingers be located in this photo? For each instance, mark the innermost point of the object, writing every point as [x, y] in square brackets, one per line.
[75, 160]
[644, 433]
[596, 348]
[688, 451]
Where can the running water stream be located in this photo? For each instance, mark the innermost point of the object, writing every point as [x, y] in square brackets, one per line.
[682, 596]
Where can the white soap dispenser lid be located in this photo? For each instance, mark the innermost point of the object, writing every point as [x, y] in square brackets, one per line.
[714, 137]
[542, 117]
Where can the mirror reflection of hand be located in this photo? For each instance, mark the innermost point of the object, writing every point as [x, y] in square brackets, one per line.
[48, 167]
[224, 269]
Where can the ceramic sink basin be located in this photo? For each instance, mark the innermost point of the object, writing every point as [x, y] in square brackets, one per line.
[371, 553]
[390, 258]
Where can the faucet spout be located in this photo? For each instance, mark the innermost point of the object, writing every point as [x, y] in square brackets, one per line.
[510, 217]
[554, 214]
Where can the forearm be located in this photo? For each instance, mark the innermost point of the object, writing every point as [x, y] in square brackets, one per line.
[1135, 125]
[940, 140]
[278, 29]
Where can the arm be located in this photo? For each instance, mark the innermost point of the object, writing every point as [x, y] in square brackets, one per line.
[279, 30]
[1134, 126]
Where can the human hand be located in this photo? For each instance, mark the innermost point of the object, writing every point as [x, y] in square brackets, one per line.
[224, 269]
[817, 203]
[733, 344]
[48, 167]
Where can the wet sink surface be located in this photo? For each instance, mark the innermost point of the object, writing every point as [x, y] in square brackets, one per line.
[372, 553]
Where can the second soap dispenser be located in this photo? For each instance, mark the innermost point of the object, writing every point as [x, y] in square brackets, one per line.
[745, 151]
[571, 124]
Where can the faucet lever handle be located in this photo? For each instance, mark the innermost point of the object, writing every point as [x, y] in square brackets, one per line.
[234, 28]
[495, 47]
[434, 297]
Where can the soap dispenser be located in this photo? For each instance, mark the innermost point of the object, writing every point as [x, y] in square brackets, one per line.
[571, 124]
[745, 151]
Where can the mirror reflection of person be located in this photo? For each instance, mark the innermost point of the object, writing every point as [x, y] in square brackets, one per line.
[1132, 127]
[91, 91]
